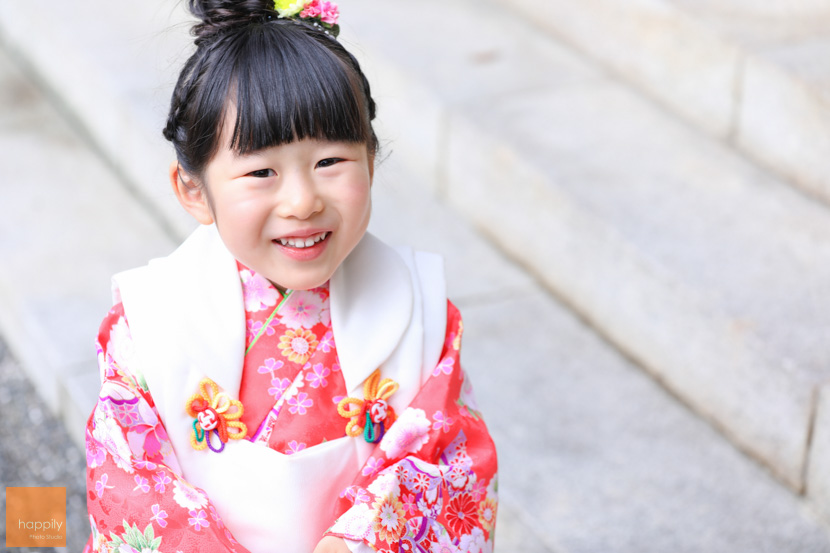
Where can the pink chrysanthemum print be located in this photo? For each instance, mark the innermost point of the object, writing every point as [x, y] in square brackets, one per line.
[390, 520]
[298, 345]
[258, 293]
[487, 513]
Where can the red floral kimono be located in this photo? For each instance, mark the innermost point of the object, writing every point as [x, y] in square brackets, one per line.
[428, 485]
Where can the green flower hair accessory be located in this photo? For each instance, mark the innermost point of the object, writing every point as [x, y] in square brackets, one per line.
[321, 14]
[288, 8]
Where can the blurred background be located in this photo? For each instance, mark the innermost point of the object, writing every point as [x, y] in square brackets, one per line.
[633, 199]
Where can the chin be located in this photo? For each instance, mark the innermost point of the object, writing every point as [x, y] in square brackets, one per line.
[303, 283]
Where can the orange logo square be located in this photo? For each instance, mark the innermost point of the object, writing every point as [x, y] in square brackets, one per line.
[35, 517]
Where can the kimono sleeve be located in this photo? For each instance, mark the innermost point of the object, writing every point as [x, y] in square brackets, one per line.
[431, 483]
[136, 497]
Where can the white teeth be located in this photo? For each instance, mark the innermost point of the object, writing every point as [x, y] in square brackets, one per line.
[303, 243]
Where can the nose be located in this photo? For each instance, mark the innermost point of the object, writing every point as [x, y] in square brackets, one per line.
[298, 197]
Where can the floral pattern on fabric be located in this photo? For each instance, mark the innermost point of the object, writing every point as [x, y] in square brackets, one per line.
[430, 484]
[137, 500]
[291, 375]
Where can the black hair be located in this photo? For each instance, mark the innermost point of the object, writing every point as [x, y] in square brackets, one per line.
[287, 79]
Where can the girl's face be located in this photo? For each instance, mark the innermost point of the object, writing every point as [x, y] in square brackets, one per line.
[292, 213]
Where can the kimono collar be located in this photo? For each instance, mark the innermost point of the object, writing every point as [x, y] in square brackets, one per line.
[371, 307]
[200, 291]
[371, 301]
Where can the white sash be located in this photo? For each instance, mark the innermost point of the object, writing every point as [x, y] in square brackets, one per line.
[187, 319]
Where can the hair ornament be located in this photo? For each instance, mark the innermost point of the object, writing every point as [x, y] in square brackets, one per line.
[320, 14]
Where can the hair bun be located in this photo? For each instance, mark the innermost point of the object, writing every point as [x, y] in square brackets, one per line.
[216, 16]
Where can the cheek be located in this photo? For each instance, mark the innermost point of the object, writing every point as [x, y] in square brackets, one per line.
[358, 202]
[245, 207]
[241, 222]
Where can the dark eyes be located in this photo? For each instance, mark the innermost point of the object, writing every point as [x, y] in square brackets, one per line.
[323, 163]
[328, 162]
[262, 173]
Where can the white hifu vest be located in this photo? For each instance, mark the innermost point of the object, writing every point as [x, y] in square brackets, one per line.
[187, 318]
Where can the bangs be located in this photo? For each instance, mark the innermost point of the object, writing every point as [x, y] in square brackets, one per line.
[287, 90]
[287, 82]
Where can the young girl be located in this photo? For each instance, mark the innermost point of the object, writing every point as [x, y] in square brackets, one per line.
[284, 381]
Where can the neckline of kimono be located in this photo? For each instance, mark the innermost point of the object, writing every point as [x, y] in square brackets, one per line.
[270, 318]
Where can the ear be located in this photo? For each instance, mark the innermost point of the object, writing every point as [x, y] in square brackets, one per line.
[190, 194]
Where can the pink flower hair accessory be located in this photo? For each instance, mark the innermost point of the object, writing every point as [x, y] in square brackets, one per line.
[320, 14]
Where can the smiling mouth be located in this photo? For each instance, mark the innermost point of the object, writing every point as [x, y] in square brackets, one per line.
[301, 243]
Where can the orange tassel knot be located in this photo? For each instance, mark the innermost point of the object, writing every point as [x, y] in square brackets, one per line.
[372, 415]
[214, 411]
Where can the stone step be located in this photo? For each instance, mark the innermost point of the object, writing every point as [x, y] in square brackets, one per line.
[754, 74]
[594, 455]
[66, 226]
[116, 68]
[695, 262]
[786, 9]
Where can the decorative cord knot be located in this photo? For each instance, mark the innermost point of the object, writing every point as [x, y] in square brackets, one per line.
[215, 412]
[372, 415]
